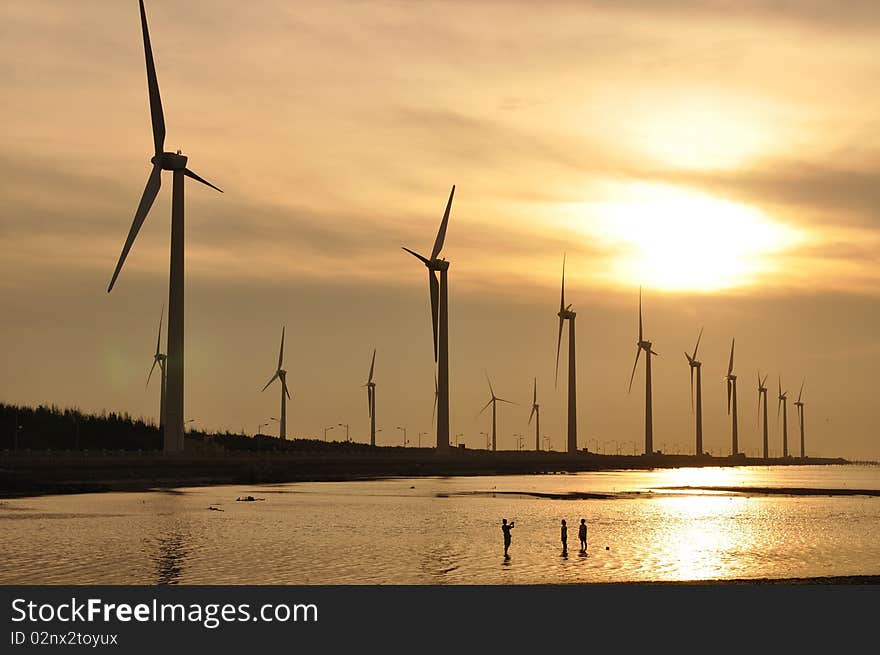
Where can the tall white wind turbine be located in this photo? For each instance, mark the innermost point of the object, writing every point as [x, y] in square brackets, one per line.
[799, 403]
[440, 322]
[694, 363]
[731, 395]
[159, 358]
[783, 405]
[536, 413]
[371, 400]
[566, 314]
[641, 345]
[762, 394]
[492, 401]
[281, 374]
[175, 162]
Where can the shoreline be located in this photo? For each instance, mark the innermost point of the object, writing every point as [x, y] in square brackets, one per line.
[49, 473]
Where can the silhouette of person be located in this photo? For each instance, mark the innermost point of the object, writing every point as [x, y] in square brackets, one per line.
[582, 535]
[564, 536]
[506, 528]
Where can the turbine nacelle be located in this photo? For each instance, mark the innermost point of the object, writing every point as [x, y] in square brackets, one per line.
[170, 161]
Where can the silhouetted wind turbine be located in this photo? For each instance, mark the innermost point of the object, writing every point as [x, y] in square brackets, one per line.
[694, 363]
[800, 410]
[159, 358]
[762, 393]
[564, 314]
[492, 401]
[536, 412]
[281, 374]
[371, 400]
[176, 162]
[440, 323]
[783, 405]
[641, 345]
[731, 394]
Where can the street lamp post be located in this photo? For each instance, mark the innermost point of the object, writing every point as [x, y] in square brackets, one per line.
[487, 439]
[547, 440]
[420, 438]
[404, 435]
[345, 425]
[326, 429]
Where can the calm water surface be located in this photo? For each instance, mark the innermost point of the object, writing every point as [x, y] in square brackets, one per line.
[446, 530]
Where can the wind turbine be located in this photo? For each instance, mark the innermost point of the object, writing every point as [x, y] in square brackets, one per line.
[800, 410]
[159, 358]
[564, 314]
[492, 401]
[731, 393]
[536, 412]
[694, 363]
[176, 162]
[783, 405]
[440, 323]
[281, 374]
[762, 393]
[371, 400]
[641, 345]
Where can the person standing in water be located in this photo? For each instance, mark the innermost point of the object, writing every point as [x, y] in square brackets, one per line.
[564, 536]
[582, 535]
[506, 528]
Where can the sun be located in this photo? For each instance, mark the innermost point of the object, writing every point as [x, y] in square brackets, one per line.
[674, 239]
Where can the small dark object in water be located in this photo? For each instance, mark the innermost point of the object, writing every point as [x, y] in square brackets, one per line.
[245, 498]
[216, 509]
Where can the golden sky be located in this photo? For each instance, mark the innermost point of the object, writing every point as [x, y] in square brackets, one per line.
[722, 157]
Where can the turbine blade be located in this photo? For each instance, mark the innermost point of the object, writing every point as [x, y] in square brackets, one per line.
[418, 256]
[284, 386]
[271, 380]
[729, 389]
[372, 364]
[509, 402]
[730, 365]
[640, 314]
[698, 343]
[159, 338]
[558, 346]
[491, 390]
[281, 350]
[491, 400]
[370, 402]
[638, 352]
[531, 414]
[535, 392]
[562, 294]
[436, 394]
[151, 372]
[801, 392]
[435, 305]
[441, 233]
[189, 173]
[150, 192]
[692, 386]
[156, 115]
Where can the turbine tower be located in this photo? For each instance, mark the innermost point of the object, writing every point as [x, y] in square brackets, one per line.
[281, 374]
[762, 393]
[731, 394]
[783, 405]
[694, 363]
[492, 401]
[799, 403]
[440, 323]
[176, 162]
[536, 412]
[159, 358]
[371, 400]
[564, 314]
[641, 345]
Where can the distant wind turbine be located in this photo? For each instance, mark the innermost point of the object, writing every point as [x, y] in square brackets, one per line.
[799, 403]
[731, 394]
[536, 412]
[564, 314]
[492, 401]
[762, 393]
[281, 375]
[176, 162]
[440, 322]
[641, 345]
[159, 358]
[371, 400]
[783, 405]
[694, 363]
